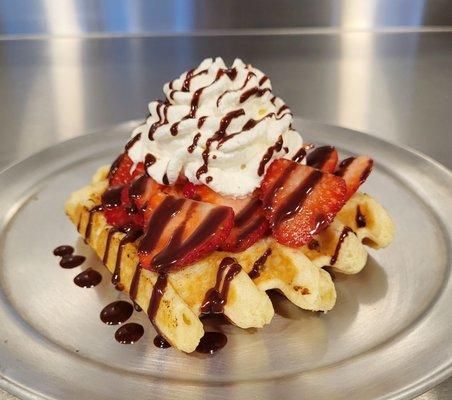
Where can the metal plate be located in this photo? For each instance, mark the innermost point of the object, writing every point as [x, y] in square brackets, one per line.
[388, 336]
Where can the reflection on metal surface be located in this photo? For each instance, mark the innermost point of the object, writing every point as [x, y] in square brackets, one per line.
[77, 17]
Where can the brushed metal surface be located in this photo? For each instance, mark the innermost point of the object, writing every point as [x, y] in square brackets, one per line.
[387, 338]
[87, 17]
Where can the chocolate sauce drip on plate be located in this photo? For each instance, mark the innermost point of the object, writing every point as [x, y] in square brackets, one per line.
[88, 278]
[116, 313]
[215, 298]
[211, 342]
[258, 264]
[268, 155]
[342, 237]
[131, 234]
[318, 157]
[71, 261]
[129, 333]
[161, 343]
[63, 250]
[360, 218]
[295, 200]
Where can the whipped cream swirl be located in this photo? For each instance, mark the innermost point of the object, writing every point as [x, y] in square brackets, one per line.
[218, 126]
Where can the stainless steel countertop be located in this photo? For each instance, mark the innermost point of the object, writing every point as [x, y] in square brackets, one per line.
[395, 85]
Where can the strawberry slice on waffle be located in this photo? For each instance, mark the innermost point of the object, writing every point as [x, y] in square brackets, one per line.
[300, 201]
[354, 170]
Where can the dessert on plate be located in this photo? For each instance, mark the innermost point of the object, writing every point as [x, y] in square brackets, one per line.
[216, 199]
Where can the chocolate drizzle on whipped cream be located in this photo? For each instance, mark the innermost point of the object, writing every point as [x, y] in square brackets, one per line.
[240, 129]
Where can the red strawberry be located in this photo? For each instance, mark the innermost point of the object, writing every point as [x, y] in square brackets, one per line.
[181, 231]
[300, 201]
[323, 158]
[250, 223]
[354, 171]
[119, 210]
[120, 171]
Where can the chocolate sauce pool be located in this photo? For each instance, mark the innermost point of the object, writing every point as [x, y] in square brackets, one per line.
[211, 342]
[129, 333]
[63, 250]
[116, 313]
[71, 261]
[88, 278]
[161, 343]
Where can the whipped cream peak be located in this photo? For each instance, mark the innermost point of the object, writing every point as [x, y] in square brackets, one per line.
[219, 126]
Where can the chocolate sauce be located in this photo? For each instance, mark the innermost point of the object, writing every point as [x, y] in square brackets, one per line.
[225, 122]
[112, 196]
[268, 199]
[282, 108]
[201, 121]
[115, 165]
[313, 245]
[135, 282]
[268, 155]
[138, 187]
[295, 200]
[342, 237]
[111, 232]
[160, 342]
[163, 119]
[258, 264]
[71, 261]
[243, 216]
[159, 219]
[137, 307]
[344, 165]
[63, 250]
[318, 157]
[250, 229]
[189, 76]
[360, 218]
[116, 313]
[157, 293]
[299, 156]
[131, 234]
[263, 80]
[192, 147]
[88, 278]
[211, 342]
[165, 180]
[149, 160]
[248, 77]
[215, 298]
[253, 91]
[90, 220]
[176, 249]
[129, 333]
[132, 141]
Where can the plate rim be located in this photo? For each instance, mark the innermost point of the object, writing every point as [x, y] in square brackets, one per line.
[417, 387]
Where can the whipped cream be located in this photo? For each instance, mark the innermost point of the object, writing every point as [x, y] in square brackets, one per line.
[218, 126]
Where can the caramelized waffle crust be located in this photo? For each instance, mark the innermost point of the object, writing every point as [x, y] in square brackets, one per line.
[297, 273]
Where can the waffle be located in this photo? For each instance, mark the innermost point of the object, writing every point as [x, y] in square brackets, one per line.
[297, 273]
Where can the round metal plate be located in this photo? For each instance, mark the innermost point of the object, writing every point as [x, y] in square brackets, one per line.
[388, 336]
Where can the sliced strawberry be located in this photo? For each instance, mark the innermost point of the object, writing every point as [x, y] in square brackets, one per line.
[323, 158]
[300, 201]
[120, 171]
[354, 171]
[180, 231]
[250, 223]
